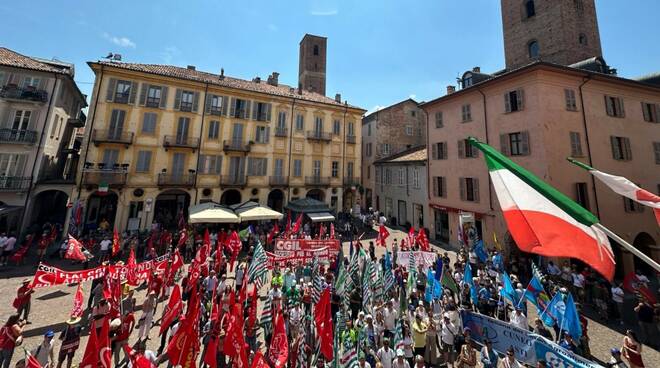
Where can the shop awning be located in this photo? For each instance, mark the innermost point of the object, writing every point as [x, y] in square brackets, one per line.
[252, 211]
[321, 216]
[211, 213]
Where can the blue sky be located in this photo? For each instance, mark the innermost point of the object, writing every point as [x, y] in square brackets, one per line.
[379, 52]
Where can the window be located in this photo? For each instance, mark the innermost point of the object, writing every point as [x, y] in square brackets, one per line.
[571, 104]
[116, 127]
[469, 189]
[515, 143]
[210, 164]
[439, 151]
[631, 206]
[316, 50]
[614, 106]
[576, 144]
[621, 148]
[110, 158]
[336, 127]
[388, 176]
[335, 169]
[215, 107]
[514, 100]
[369, 129]
[368, 171]
[368, 150]
[467, 80]
[240, 108]
[21, 120]
[579, 6]
[385, 149]
[466, 113]
[465, 149]
[30, 81]
[297, 168]
[214, 129]
[153, 96]
[409, 130]
[582, 39]
[402, 176]
[281, 120]
[438, 119]
[122, 91]
[143, 162]
[261, 111]
[187, 98]
[300, 122]
[656, 150]
[530, 10]
[318, 125]
[149, 123]
[278, 168]
[533, 49]
[12, 164]
[582, 195]
[351, 129]
[262, 134]
[316, 168]
[257, 166]
[439, 186]
[415, 178]
[650, 112]
[349, 169]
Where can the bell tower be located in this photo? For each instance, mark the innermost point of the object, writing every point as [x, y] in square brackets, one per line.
[312, 60]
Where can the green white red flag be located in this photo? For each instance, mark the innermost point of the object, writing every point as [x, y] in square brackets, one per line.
[544, 221]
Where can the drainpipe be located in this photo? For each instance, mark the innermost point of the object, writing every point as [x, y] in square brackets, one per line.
[343, 158]
[201, 137]
[429, 188]
[89, 132]
[293, 105]
[586, 138]
[490, 194]
[36, 155]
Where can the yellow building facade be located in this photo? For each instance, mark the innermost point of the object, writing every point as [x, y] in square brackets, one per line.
[162, 138]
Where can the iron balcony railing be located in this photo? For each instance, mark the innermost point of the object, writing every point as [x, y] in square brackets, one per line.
[351, 181]
[176, 180]
[18, 136]
[319, 136]
[111, 136]
[56, 176]
[180, 141]
[111, 178]
[233, 180]
[238, 145]
[278, 181]
[350, 139]
[281, 132]
[27, 93]
[14, 183]
[79, 121]
[317, 180]
[152, 102]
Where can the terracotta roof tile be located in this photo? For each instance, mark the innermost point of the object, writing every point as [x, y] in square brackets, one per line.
[411, 155]
[230, 82]
[14, 59]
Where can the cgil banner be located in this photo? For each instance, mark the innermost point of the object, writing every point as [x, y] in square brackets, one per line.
[299, 257]
[300, 247]
[425, 259]
[556, 356]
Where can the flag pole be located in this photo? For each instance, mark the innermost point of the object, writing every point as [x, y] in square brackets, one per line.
[629, 247]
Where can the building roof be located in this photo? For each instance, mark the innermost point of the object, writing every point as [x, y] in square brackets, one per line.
[172, 71]
[14, 59]
[373, 114]
[413, 155]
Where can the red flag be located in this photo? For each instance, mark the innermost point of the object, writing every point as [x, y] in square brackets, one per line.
[332, 230]
[138, 360]
[403, 245]
[116, 245]
[288, 223]
[184, 345]
[177, 262]
[383, 234]
[631, 285]
[297, 225]
[183, 237]
[422, 240]
[207, 238]
[74, 250]
[91, 356]
[278, 353]
[173, 309]
[77, 310]
[210, 355]
[234, 244]
[252, 313]
[258, 360]
[105, 352]
[242, 294]
[131, 269]
[31, 361]
[234, 344]
[411, 237]
[323, 321]
[272, 233]
[321, 231]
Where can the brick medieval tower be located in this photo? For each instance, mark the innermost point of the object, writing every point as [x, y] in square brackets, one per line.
[312, 60]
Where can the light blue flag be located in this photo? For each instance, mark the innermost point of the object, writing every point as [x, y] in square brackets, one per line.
[508, 292]
[481, 251]
[467, 279]
[562, 311]
[571, 321]
[428, 293]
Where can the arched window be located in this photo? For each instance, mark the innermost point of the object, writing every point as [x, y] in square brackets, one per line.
[316, 50]
[583, 39]
[530, 10]
[533, 49]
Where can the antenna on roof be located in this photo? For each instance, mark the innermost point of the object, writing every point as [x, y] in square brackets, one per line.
[110, 55]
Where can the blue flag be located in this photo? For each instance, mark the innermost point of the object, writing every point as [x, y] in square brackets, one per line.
[562, 311]
[430, 279]
[508, 292]
[467, 279]
[536, 294]
[498, 262]
[438, 269]
[481, 251]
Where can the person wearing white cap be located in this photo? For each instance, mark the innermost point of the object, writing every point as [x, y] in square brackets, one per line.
[518, 319]
[400, 361]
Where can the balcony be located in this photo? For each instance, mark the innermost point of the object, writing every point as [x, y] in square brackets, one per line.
[176, 180]
[236, 145]
[114, 178]
[319, 181]
[122, 97]
[13, 92]
[319, 136]
[236, 181]
[14, 183]
[152, 102]
[18, 136]
[56, 177]
[180, 142]
[278, 181]
[108, 136]
[350, 181]
[350, 139]
[281, 132]
[79, 121]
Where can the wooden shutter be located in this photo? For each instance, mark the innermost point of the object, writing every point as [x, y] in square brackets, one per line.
[268, 108]
[627, 153]
[461, 148]
[434, 151]
[461, 185]
[507, 104]
[444, 150]
[133, 92]
[177, 99]
[504, 145]
[475, 189]
[443, 182]
[163, 97]
[247, 109]
[110, 92]
[525, 146]
[143, 93]
[3, 79]
[608, 106]
[255, 111]
[436, 191]
[613, 143]
[200, 166]
[218, 164]
[225, 105]
[267, 134]
[232, 107]
[619, 105]
[520, 96]
[207, 103]
[656, 151]
[645, 111]
[195, 106]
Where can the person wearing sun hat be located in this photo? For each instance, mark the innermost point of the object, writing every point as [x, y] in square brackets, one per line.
[70, 338]
[22, 302]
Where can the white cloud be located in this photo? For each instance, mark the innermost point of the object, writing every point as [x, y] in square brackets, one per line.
[119, 41]
[324, 13]
[169, 53]
[273, 28]
[374, 109]
[412, 96]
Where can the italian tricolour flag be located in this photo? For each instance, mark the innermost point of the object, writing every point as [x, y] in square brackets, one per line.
[625, 187]
[544, 221]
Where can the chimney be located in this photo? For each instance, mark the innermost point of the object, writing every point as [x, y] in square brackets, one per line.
[338, 97]
[451, 89]
[476, 69]
[191, 67]
[275, 77]
[257, 79]
[292, 90]
[222, 73]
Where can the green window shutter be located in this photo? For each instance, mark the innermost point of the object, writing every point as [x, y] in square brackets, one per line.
[520, 96]
[608, 106]
[232, 107]
[247, 109]
[475, 189]
[627, 151]
[613, 143]
[434, 151]
[110, 92]
[461, 185]
[507, 103]
[645, 112]
[225, 105]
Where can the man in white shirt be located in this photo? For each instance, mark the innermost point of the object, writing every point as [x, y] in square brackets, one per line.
[105, 247]
[44, 353]
[447, 333]
[553, 270]
[400, 361]
[362, 363]
[518, 319]
[386, 354]
[390, 315]
[617, 298]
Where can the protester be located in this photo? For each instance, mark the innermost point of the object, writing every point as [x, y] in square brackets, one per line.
[509, 360]
[70, 338]
[45, 352]
[615, 360]
[11, 335]
[489, 357]
[468, 355]
[632, 350]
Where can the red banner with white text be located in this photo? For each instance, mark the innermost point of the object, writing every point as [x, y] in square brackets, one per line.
[300, 251]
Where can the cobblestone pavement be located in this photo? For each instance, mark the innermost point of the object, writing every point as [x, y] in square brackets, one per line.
[51, 307]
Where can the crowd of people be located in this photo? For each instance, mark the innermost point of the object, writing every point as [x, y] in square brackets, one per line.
[383, 314]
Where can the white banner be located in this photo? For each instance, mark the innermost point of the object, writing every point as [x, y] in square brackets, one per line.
[426, 259]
